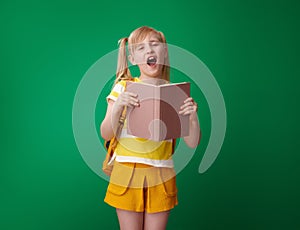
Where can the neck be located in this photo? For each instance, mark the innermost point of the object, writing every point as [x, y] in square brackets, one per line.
[147, 78]
[152, 80]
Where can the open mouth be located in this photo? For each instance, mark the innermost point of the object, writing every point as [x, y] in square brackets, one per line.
[151, 61]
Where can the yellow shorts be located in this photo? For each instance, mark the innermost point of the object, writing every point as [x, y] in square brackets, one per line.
[139, 187]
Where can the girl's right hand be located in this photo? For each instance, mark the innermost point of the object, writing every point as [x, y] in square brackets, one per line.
[126, 99]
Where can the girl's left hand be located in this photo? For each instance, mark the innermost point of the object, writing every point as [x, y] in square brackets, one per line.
[189, 107]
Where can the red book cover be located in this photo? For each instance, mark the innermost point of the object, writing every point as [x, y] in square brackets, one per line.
[157, 116]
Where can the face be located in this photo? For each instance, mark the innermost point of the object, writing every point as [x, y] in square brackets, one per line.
[150, 56]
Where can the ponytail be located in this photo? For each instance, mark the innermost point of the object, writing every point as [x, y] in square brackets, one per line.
[166, 67]
[123, 72]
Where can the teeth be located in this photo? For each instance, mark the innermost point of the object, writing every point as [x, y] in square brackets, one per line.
[151, 60]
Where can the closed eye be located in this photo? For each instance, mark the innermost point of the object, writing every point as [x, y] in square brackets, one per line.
[140, 47]
[154, 43]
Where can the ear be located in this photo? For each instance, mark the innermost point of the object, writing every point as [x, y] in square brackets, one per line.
[131, 59]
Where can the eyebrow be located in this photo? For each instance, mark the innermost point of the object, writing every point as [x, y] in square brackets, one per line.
[154, 40]
[142, 43]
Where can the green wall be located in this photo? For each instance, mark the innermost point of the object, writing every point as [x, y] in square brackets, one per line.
[252, 49]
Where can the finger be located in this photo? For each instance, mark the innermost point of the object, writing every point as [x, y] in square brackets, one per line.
[127, 95]
[128, 99]
[187, 104]
[184, 111]
[188, 110]
[132, 102]
[131, 94]
[189, 99]
[134, 99]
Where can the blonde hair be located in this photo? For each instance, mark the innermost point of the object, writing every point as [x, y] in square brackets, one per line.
[138, 35]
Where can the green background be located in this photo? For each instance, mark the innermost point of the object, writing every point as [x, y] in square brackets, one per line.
[252, 49]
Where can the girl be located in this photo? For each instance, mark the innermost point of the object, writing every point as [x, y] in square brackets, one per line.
[142, 185]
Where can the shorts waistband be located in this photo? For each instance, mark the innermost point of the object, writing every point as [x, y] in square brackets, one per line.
[136, 165]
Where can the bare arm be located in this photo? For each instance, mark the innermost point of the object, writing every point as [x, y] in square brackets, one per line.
[190, 108]
[113, 113]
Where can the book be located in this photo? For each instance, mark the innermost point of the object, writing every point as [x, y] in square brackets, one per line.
[157, 117]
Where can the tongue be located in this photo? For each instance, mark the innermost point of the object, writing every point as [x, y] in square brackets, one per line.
[151, 61]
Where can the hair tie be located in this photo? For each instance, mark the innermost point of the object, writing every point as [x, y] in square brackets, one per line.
[122, 39]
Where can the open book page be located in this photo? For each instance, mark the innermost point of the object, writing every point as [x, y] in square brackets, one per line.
[157, 116]
[171, 99]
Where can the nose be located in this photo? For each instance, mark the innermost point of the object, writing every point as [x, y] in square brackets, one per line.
[149, 48]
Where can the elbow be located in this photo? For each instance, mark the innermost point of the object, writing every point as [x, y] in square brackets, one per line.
[192, 145]
[104, 133]
[193, 142]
